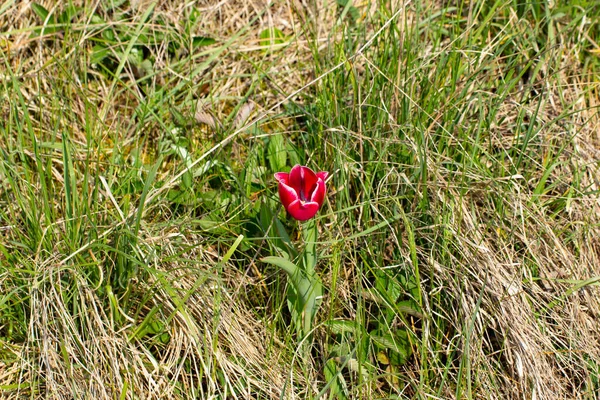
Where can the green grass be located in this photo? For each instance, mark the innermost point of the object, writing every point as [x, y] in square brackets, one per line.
[457, 246]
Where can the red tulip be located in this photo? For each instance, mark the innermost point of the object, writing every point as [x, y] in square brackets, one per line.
[302, 191]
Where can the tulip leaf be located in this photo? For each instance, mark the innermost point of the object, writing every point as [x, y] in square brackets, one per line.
[312, 299]
[292, 270]
[306, 295]
[270, 223]
[285, 238]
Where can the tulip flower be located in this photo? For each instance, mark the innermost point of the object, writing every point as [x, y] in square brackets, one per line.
[302, 191]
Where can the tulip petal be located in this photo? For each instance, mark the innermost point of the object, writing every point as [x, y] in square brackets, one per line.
[323, 175]
[309, 183]
[282, 177]
[287, 194]
[318, 195]
[302, 191]
[295, 177]
[303, 180]
[303, 211]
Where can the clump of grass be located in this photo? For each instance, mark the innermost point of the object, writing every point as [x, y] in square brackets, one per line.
[458, 245]
[467, 152]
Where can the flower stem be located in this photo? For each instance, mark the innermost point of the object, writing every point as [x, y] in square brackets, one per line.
[309, 236]
[309, 261]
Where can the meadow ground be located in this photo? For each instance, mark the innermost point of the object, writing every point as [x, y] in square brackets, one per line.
[459, 243]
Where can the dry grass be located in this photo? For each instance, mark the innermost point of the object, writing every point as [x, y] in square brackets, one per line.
[540, 327]
[83, 355]
[215, 350]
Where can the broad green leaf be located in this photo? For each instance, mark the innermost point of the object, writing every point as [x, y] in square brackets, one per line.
[335, 380]
[289, 267]
[99, 53]
[313, 300]
[277, 153]
[109, 35]
[282, 232]
[338, 326]
[200, 41]
[276, 230]
[271, 36]
[186, 179]
[40, 11]
[309, 289]
[398, 343]
[67, 15]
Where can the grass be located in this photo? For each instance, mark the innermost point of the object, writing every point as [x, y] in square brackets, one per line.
[458, 245]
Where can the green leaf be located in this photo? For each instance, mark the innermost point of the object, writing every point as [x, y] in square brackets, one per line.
[186, 179]
[112, 4]
[348, 9]
[150, 325]
[285, 238]
[194, 17]
[383, 224]
[143, 39]
[99, 53]
[397, 343]
[312, 299]
[200, 41]
[165, 338]
[209, 224]
[271, 36]
[95, 19]
[308, 289]
[277, 153]
[135, 56]
[147, 67]
[281, 238]
[338, 326]
[69, 180]
[109, 35]
[66, 16]
[309, 235]
[409, 307]
[41, 12]
[183, 197]
[289, 267]
[142, 201]
[179, 119]
[335, 380]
